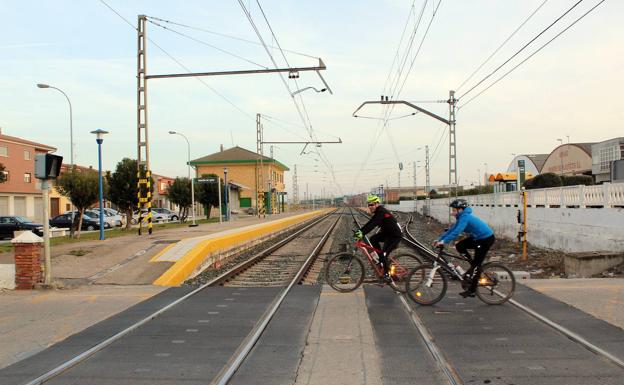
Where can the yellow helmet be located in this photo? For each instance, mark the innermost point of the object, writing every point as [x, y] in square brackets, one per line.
[373, 199]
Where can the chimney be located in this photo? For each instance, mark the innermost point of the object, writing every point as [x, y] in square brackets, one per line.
[221, 147]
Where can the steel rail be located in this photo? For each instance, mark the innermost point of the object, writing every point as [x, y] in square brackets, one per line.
[102, 345]
[561, 329]
[228, 372]
[443, 364]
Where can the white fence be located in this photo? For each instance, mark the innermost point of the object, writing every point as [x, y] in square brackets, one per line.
[600, 196]
[573, 219]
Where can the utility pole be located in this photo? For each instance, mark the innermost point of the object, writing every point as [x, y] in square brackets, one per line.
[415, 187]
[143, 172]
[295, 187]
[452, 148]
[259, 170]
[427, 180]
[307, 194]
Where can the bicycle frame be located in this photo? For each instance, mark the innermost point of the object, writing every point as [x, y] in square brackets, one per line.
[440, 262]
[365, 248]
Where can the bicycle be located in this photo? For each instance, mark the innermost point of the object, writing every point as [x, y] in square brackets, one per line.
[426, 284]
[345, 272]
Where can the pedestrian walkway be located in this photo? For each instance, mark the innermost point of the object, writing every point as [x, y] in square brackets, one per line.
[601, 297]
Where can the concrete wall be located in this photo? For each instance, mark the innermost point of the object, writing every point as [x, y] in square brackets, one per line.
[561, 228]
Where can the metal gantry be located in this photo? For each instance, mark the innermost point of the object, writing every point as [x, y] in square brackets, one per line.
[452, 102]
[143, 171]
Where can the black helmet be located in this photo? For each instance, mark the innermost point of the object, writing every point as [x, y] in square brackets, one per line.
[459, 204]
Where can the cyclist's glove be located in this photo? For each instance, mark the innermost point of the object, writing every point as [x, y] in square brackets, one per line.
[358, 234]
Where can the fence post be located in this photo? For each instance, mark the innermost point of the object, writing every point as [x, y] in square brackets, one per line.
[606, 190]
[581, 201]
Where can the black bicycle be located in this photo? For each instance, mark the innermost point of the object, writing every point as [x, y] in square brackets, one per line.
[427, 283]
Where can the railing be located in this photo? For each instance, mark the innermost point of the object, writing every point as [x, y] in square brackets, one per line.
[605, 195]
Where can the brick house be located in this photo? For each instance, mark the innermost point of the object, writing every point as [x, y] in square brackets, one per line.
[21, 193]
[241, 176]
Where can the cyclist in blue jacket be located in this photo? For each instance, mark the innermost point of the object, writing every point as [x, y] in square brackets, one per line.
[480, 239]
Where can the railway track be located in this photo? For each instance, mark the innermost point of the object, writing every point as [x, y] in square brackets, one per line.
[276, 269]
[599, 353]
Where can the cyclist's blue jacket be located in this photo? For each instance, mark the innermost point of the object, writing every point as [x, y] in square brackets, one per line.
[466, 222]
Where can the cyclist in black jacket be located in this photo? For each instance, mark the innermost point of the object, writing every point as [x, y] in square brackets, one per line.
[390, 233]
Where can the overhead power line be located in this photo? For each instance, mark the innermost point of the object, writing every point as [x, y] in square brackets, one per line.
[182, 65]
[521, 49]
[533, 54]
[227, 36]
[206, 44]
[501, 46]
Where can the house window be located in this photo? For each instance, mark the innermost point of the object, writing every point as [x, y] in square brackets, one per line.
[4, 151]
[26, 155]
[6, 175]
[27, 177]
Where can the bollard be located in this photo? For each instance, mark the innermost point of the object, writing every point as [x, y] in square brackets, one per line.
[27, 260]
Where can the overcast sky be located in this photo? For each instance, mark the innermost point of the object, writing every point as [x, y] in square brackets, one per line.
[569, 88]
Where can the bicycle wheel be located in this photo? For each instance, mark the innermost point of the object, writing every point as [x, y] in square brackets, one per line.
[400, 266]
[426, 285]
[344, 272]
[496, 284]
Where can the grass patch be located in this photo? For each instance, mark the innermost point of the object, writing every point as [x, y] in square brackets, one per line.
[6, 247]
[113, 233]
[122, 232]
[79, 252]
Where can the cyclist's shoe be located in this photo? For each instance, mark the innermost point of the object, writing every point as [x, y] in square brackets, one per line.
[467, 293]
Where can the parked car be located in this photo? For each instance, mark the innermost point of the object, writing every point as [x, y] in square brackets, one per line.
[9, 224]
[94, 214]
[64, 221]
[158, 215]
[116, 215]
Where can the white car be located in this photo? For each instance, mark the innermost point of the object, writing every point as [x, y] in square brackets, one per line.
[116, 215]
[109, 221]
[158, 215]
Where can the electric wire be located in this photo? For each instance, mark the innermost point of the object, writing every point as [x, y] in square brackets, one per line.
[530, 56]
[500, 46]
[227, 36]
[183, 66]
[521, 49]
[207, 44]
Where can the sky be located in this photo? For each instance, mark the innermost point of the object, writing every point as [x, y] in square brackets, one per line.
[569, 88]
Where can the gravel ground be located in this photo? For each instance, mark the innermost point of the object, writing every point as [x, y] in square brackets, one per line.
[541, 263]
[211, 273]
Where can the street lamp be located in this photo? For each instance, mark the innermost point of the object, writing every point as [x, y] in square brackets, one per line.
[487, 177]
[561, 155]
[227, 211]
[308, 88]
[99, 139]
[71, 139]
[188, 144]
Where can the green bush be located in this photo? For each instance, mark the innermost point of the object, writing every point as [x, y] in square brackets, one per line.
[546, 180]
[575, 180]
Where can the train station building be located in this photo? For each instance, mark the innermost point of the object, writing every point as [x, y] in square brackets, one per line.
[241, 165]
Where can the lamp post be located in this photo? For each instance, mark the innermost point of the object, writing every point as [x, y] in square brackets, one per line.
[71, 140]
[188, 144]
[487, 177]
[561, 155]
[225, 197]
[99, 139]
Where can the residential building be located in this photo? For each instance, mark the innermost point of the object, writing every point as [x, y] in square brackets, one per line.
[21, 194]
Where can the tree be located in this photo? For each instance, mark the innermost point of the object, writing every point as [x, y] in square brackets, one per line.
[179, 193]
[82, 189]
[123, 188]
[2, 174]
[208, 193]
[545, 180]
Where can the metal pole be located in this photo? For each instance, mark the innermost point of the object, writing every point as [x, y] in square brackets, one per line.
[99, 142]
[46, 232]
[427, 180]
[415, 187]
[225, 191]
[220, 210]
[452, 148]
